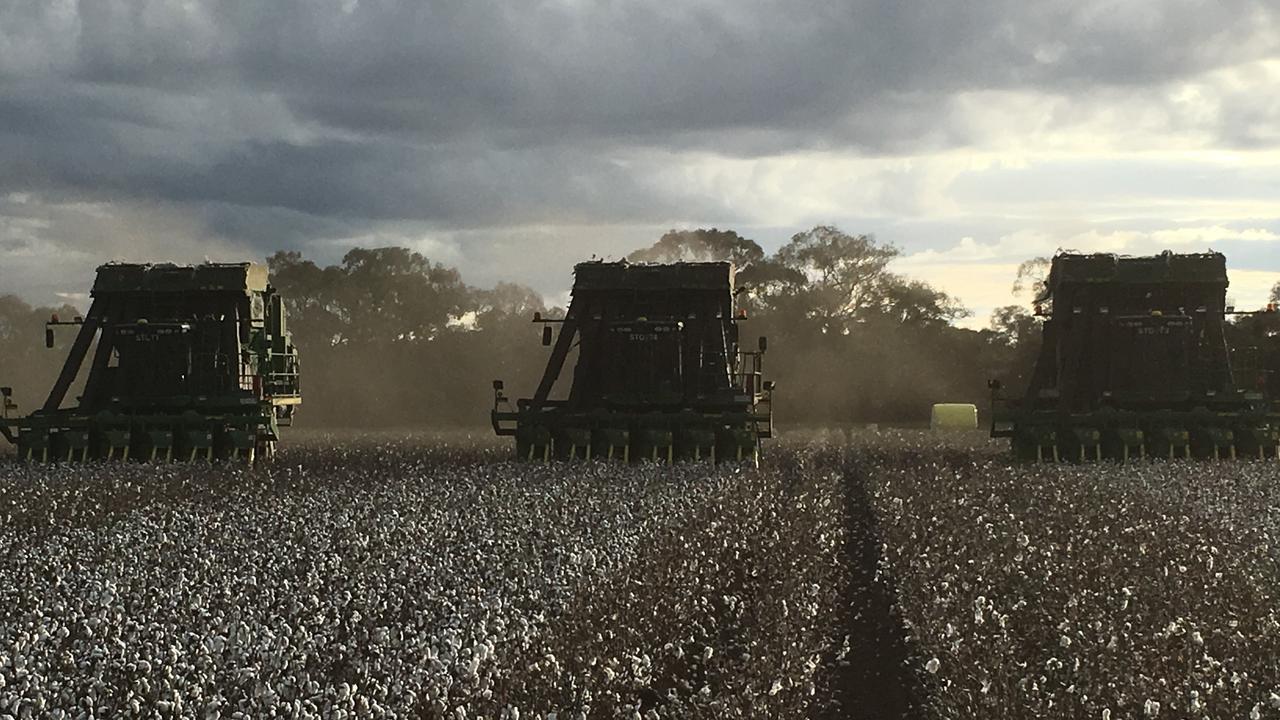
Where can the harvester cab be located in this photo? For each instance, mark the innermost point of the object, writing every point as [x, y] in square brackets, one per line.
[1134, 362]
[659, 375]
[187, 362]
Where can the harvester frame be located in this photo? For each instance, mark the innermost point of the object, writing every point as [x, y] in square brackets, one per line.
[1134, 363]
[660, 375]
[188, 362]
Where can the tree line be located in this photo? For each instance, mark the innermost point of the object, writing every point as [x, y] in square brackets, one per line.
[388, 337]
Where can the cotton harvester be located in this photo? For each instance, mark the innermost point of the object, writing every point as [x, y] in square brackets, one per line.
[1134, 362]
[187, 362]
[659, 372]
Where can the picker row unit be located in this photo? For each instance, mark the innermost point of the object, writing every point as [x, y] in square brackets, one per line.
[1135, 363]
[659, 374]
[184, 363]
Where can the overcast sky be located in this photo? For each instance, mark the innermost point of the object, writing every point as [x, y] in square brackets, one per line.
[511, 139]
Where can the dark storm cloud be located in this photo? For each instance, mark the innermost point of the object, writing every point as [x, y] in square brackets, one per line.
[60, 145]
[704, 74]
[530, 71]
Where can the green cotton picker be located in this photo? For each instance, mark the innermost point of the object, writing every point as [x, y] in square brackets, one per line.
[184, 363]
[1135, 362]
[660, 375]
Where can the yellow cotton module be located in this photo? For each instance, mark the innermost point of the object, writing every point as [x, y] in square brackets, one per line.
[954, 416]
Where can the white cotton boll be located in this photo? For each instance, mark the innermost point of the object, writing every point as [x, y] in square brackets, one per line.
[1151, 708]
[933, 665]
[775, 688]
[1256, 712]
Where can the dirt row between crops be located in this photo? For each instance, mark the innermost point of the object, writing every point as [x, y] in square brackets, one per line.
[877, 678]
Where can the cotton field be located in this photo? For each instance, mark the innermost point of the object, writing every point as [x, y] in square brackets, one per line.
[1083, 591]
[895, 575]
[417, 580]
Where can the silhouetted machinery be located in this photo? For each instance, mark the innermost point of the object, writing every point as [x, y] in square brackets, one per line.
[659, 372]
[187, 362]
[1134, 362]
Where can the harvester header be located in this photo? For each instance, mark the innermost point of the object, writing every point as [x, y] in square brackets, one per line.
[659, 375]
[189, 362]
[1134, 362]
